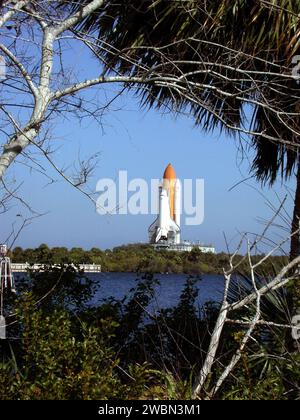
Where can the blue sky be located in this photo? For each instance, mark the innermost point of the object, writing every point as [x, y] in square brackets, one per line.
[143, 143]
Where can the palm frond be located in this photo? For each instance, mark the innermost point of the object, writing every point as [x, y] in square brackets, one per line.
[168, 38]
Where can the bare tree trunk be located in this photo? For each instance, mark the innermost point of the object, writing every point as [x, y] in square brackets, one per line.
[293, 293]
[295, 239]
[295, 242]
[14, 147]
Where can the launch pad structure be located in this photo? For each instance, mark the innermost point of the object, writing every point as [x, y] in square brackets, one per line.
[6, 284]
[185, 246]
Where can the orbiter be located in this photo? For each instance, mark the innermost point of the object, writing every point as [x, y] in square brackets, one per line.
[166, 228]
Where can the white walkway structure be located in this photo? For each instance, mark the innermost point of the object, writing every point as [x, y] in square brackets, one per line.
[23, 267]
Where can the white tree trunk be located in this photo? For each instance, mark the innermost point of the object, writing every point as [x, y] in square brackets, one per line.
[14, 148]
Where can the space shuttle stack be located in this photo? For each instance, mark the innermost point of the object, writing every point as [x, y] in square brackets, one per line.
[166, 228]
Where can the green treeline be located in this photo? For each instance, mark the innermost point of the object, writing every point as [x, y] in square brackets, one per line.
[138, 258]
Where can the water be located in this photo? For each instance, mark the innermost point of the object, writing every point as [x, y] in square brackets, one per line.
[167, 293]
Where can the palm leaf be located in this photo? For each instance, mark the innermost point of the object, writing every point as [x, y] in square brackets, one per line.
[266, 31]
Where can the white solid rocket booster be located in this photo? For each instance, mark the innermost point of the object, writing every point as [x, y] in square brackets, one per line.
[167, 225]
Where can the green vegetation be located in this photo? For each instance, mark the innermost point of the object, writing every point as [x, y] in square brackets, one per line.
[139, 258]
[61, 348]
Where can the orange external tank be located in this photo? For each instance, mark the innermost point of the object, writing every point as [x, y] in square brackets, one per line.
[169, 180]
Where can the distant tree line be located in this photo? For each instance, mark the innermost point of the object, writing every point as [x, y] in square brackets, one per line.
[138, 258]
